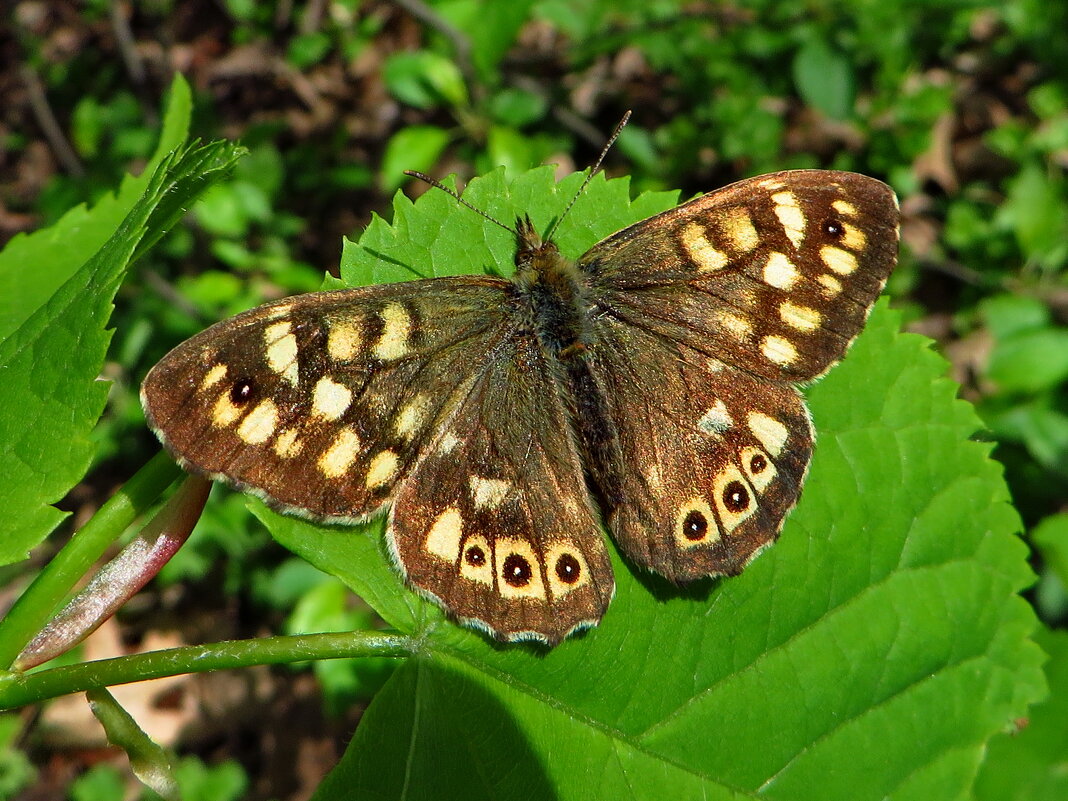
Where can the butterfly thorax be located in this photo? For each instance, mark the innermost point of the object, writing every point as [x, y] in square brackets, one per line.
[553, 289]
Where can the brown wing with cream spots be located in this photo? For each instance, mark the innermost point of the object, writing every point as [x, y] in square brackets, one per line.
[318, 403]
[495, 522]
[714, 456]
[775, 275]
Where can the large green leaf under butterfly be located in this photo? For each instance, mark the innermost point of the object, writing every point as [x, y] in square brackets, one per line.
[650, 384]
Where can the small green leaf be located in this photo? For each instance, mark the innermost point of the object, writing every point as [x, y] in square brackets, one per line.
[824, 79]
[1009, 314]
[416, 147]
[1030, 361]
[424, 79]
[1050, 536]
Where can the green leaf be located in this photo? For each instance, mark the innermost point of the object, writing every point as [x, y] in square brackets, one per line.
[1029, 764]
[1050, 536]
[51, 396]
[824, 79]
[871, 653]
[65, 246]
[416, 147]
[491, 29]
[424, 79]
[1008, 314]
[1030, 361]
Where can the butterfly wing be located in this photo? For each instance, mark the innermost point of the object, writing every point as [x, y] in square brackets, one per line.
[332, 405]
[495, 522]
[704, 318]
[319, 403]
[714, 457]
[774, 275]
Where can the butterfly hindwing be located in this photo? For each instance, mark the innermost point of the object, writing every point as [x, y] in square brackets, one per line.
[775, 275]
[495, 522]
[320, 403]
[714, 457]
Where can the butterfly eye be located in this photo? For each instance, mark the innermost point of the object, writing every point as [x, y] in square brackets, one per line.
[242, 391]
[695, 526]
[736, 497]
[568, 569]
[475, 556]
[833, 228]
[517, 571]
[758, 464]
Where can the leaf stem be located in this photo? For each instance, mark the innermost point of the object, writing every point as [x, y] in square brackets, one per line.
[19, 689]
[56, 580]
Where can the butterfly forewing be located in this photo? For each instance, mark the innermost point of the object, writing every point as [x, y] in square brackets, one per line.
[320, 403]
[496, 522]
[774, 275]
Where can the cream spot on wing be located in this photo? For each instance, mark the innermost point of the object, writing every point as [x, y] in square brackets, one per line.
[225, 412]
[769, 432]
[734, 497]
[475, 563]
[338, 458]
[831, 285]
[758, 468]
[259, 424]
[518, 569]
[443, 539]
[771, 184]
[738, 326]
[489, 492]
[695, 524]
[780, 272]
[448, 443]
[778, 350]
[714, 365]
[737, 226]
[383, 468]
[396, 329]
[800, 317]
[853, 237]
[702, 251]
[213, 377]
[282, 351]
[344, 339]
[844, 207]
[281, 310]
[652, 478]
[330, 400]
[287, 445]
[790, 216]
[566, 568]
[411, 417]
[840, 261]
[717, 419]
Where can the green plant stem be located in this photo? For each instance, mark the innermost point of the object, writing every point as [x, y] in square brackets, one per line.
[19, 689]
[56, 580]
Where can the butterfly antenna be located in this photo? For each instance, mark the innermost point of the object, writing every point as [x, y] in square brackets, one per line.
[422, 176]
[593, 171]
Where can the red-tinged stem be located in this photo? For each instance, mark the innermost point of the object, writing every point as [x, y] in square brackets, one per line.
[118, 581]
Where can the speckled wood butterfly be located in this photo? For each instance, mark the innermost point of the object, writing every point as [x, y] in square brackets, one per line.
[649, 386]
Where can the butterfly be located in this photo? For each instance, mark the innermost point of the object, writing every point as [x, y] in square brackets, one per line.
[650, 388]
